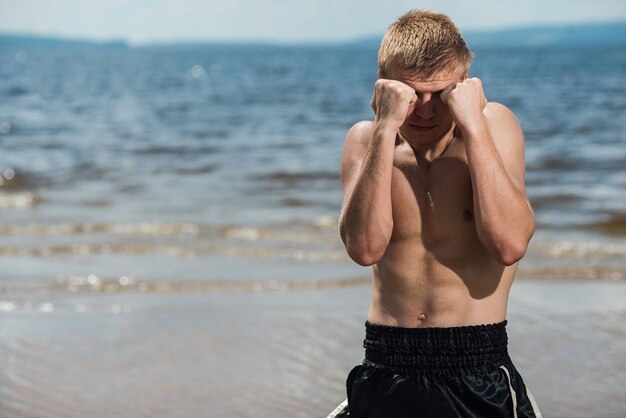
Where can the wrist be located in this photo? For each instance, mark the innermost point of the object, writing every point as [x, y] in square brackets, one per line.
[476, 128]
[385, 128]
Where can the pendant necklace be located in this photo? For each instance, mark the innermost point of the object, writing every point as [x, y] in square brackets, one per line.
[430, 198]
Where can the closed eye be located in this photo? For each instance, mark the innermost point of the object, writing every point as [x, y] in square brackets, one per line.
[436, 93]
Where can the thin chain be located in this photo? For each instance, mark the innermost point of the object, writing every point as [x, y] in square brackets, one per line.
[430, 198]
[430, 201]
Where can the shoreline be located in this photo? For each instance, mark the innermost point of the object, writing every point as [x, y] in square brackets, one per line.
[282, 354]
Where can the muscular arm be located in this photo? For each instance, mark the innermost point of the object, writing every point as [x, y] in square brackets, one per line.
[366, 222]
[494, 145]
[495, 151]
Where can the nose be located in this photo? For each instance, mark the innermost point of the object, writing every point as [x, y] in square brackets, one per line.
[424, 106]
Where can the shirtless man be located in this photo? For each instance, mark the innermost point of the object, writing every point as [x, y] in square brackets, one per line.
[435, 202]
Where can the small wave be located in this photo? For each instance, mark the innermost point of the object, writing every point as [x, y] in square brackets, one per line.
[615, 225]
[96, 203]
[14, 179]
[51, 307]
[18, 200]
[573, 272]
[177, 150]
[176, 250]
[210, 133]
[247, 233]
[555, 163]
[319, 229]
[296, 202]
[95, 284]
[288, 177]
[315, 230]
[328, 222]
[580, 250]
[16, 91]
[540, 202]
[200, 169]
[144, 228]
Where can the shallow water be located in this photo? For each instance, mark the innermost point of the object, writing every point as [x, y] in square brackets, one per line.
[221, 163]
[281, 353]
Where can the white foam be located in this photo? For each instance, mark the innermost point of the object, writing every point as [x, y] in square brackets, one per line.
[18, 200]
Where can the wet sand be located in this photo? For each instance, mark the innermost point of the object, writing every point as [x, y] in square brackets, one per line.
[282, 353]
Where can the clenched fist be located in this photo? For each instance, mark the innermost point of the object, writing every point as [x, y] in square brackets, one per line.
[466, 101]
[392, 102]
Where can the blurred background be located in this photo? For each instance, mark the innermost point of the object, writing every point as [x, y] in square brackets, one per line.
[169, 195]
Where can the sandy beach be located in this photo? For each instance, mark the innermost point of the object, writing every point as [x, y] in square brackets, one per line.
[282, 353]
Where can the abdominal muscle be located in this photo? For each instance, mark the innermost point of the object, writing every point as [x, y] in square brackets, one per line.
[467, 288]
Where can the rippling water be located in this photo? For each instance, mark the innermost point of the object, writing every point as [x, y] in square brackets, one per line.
[132, 162]
[133, 182]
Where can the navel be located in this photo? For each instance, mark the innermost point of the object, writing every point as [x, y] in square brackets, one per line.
[421, 317]
[467, 215]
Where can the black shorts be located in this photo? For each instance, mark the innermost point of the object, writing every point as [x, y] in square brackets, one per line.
[438, 373]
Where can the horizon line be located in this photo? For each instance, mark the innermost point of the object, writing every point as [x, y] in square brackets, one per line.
[271, 41]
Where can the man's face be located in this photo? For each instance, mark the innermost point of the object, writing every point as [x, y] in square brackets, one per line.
[430, 118]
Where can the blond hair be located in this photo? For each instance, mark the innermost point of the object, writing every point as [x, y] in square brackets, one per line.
[426, 43]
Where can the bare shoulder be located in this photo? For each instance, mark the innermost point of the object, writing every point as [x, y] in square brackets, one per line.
[360, 133]
[501, 119]
[354, 150]
[508, 139]
[357, 140]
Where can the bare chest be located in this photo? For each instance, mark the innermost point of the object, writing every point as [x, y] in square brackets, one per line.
[432, 202]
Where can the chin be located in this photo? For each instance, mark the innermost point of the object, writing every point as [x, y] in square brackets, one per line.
[419, 137]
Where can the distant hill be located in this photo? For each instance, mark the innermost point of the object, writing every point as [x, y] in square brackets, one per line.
[601, 34]
[39, 42]
[597, 34]
[574, 35]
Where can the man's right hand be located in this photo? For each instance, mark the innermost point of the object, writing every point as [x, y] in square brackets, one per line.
[392, 102]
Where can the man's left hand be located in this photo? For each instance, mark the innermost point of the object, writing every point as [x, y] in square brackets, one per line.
[466, 101]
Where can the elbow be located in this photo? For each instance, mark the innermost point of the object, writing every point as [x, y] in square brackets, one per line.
[509, 258]
[505, 250]
[510, 253]
[364, 248]
[361, 251]
[363, 256]
[514, 250]
[507, 247]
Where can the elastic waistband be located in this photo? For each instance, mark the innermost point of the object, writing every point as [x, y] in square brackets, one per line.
[436, 351]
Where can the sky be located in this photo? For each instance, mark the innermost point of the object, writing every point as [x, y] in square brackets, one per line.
[142, 22]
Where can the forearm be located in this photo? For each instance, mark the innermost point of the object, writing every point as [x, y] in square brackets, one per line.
[366, 220]
[504, 220]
